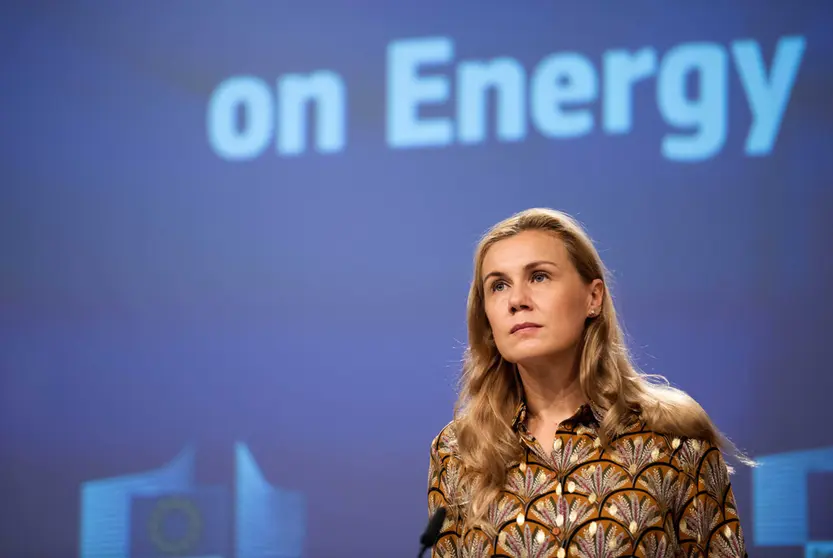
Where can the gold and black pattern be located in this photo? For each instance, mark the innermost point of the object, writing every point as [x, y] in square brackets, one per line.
[646, 495]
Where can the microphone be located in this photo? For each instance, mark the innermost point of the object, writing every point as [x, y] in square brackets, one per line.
[432, 531]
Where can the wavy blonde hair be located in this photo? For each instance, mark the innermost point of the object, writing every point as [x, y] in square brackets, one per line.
[490, 388]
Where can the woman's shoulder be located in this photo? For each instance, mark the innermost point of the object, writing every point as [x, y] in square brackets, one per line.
[678, 445]
[444, 443]
[674, 434]
[677, 442]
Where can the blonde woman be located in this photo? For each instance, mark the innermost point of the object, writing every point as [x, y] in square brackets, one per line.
[558, 446]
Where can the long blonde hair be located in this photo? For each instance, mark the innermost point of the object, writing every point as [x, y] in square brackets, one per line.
[490, 389]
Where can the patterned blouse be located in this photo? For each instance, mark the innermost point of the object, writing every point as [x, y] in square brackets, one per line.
[650, 495]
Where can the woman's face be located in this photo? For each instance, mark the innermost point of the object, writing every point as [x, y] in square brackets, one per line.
[536, 302]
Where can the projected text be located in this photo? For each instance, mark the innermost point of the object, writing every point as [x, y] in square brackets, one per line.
[563, 96]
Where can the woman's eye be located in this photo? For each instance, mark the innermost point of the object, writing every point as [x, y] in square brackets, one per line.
[539, 276]
[496, 286]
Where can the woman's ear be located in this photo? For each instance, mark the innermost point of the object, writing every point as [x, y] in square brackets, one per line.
[595, 296]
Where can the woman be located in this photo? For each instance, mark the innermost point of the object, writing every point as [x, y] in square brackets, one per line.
[559, 447]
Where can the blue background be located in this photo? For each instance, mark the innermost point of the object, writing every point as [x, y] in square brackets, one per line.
[313, 307]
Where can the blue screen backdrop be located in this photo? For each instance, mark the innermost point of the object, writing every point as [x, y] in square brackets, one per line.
[237, 241]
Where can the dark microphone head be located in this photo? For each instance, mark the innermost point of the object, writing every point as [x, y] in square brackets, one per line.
[432, 531]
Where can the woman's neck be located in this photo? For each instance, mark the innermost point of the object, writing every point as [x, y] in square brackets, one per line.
[553, 393]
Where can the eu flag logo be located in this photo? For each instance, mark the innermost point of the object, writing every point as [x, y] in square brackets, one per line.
[167, 513]
[181, 525]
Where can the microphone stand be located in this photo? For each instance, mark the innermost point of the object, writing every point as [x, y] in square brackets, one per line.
[432, 531]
